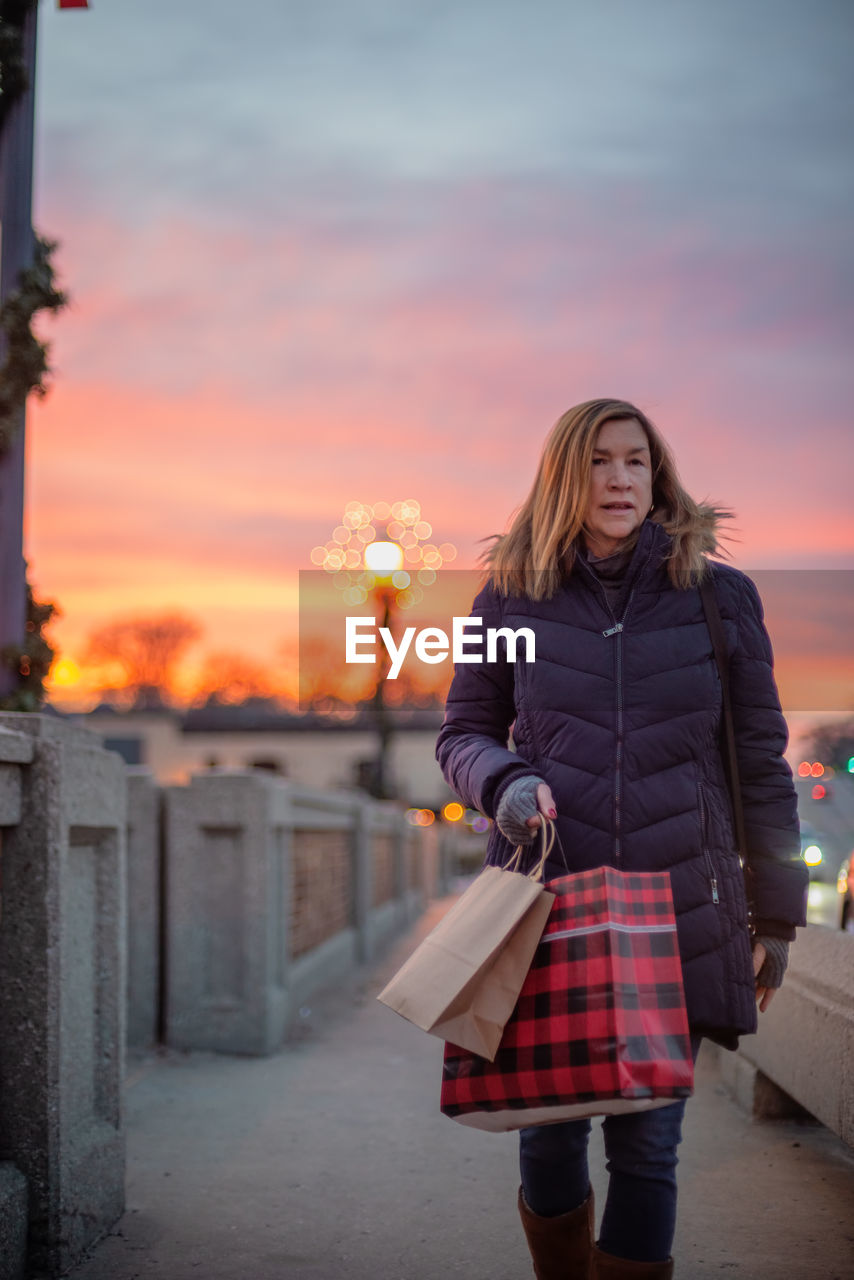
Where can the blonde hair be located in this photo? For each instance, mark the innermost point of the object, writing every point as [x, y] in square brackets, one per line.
[539, 550]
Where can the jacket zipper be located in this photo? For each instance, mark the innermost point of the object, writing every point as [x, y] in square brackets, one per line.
[618, 771]
[710, 866]
[617, 630]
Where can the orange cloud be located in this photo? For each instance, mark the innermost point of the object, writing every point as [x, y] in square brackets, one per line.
[222, 393]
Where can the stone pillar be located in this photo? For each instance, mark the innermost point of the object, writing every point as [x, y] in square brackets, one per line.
[143, 880]
[363, 878]
[62, 988]
[227, 883]
[401, 830]
[16, 749]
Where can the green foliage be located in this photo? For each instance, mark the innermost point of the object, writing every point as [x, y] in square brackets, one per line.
[31, 662]
[13, 73]
[25, 365]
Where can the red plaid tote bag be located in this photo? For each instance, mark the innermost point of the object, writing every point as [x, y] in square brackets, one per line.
[600, 1025]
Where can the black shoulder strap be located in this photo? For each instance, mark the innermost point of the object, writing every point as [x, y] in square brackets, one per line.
[716, 630]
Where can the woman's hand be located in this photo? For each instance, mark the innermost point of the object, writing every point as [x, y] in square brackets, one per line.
[763, 994]
[545, 804]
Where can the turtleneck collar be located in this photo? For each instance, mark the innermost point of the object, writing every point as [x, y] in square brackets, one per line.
[615, 561]
[616, 570]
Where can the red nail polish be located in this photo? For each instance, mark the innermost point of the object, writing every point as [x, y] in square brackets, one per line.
[552, 813]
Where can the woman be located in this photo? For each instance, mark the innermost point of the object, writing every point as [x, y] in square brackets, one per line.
[616, 728]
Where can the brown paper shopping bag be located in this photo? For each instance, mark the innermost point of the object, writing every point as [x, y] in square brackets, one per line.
[462, 982]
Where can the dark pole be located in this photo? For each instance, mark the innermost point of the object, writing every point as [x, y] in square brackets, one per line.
[381, 783]
[16, 199]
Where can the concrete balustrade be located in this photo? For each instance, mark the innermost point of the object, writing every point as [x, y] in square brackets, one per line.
[271, 891]
[62, 986]
[208, 912]
[805, 1043]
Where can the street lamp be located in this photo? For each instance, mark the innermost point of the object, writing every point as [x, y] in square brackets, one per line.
[383, 552]
[383, 540]
[383, 557]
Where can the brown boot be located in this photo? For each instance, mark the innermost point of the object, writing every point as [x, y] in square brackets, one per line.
[607, 1267]
[560, 1247]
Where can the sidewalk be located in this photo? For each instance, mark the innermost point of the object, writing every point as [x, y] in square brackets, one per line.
[332, 1160]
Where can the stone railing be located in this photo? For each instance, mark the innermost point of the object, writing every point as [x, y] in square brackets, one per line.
[62, 982]
[273, 890]
[201, 917]
[804, 1050]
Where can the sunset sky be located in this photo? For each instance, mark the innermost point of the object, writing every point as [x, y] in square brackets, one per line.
[371, 249]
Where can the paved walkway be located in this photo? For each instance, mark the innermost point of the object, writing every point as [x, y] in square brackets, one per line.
[332, 1160]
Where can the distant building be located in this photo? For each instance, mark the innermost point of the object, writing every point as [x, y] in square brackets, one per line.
[310, 749]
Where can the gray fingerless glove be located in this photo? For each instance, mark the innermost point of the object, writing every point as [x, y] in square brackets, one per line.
[774, 964]
[518, 803]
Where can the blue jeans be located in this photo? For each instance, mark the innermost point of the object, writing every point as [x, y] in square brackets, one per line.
[640, 1148]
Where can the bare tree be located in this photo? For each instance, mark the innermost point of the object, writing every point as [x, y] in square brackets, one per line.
[146, 648]
[832, 744]
[316, 675]
[233, 677]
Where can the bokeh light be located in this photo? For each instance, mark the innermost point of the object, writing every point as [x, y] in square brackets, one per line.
[420, 817]
[382, 540]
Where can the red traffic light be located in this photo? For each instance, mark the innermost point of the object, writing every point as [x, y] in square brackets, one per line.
[819, 792]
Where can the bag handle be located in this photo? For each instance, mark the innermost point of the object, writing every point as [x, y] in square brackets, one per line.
[728, 748]
[547, 830]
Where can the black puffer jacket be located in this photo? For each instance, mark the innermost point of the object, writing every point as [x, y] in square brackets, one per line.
[622, 721]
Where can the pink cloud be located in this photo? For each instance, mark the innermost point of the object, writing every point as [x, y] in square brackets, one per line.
[222, 393]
